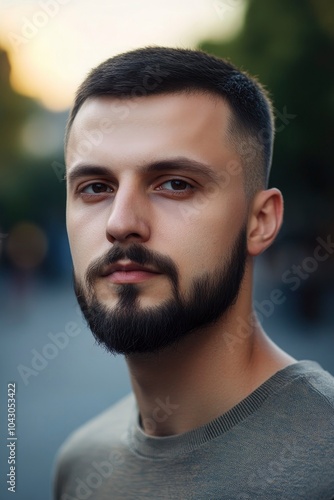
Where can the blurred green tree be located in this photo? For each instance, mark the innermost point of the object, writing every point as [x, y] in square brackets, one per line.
[289, 46]
[30, 191]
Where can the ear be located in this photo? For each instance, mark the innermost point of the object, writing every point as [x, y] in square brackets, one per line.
[265, 220]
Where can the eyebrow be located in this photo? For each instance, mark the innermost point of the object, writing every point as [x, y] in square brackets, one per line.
[182, 164]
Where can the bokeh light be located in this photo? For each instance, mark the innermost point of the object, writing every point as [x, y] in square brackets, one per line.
[26, 246]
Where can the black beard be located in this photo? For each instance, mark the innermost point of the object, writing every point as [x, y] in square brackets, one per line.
[128, 328]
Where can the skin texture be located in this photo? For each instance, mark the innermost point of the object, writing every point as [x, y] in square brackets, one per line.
[204, 375]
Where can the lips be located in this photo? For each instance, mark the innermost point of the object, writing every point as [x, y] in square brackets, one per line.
[127, 267]
[128, 272]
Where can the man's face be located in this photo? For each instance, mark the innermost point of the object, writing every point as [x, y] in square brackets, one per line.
[153, 183]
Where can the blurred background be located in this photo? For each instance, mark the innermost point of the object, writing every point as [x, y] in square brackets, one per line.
[46, 49]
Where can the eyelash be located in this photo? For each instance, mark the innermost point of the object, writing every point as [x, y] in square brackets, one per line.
[176, 193]
[190, 187]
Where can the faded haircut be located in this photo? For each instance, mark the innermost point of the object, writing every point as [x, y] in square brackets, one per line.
[161, 70]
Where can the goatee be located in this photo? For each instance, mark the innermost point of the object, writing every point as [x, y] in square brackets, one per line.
[129, 328]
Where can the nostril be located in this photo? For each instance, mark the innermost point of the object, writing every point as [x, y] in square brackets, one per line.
[136, 235]
[113, 236]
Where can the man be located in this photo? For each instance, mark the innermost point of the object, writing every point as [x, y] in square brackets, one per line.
[168, 154]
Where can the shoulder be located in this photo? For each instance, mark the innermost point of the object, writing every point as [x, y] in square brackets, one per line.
[302, 414]
[320, 384]
[299, 410]
[312, 388]
[101, 437]
[107, 426]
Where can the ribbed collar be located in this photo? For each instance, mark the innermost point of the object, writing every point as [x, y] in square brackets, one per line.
[168, 447]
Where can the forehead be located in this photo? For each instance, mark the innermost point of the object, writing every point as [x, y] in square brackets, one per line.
[145, 128]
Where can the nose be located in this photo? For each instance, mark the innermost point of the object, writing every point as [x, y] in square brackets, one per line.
[128, 219]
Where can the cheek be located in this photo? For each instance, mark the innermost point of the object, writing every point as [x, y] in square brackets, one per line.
[207, 238]
[85, 236]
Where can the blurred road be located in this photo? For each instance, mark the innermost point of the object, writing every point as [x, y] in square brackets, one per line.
[63, 378]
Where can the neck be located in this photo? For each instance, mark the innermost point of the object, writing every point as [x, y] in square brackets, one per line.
[187, 385]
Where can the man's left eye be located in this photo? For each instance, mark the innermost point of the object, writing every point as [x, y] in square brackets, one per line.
[177, 185]
[96, 188]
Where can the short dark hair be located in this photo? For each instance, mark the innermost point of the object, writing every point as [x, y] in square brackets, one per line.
[175, 70]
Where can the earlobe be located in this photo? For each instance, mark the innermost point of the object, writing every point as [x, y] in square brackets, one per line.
[265, 220]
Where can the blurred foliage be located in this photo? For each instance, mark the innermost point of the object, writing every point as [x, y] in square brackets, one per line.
[29, 188]
[289, 46]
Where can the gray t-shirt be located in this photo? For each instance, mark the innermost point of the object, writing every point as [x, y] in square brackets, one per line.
[278, 443]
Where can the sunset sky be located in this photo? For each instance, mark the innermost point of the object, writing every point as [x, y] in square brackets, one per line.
[54, 43]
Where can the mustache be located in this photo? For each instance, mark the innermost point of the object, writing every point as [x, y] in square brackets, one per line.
[137, 254]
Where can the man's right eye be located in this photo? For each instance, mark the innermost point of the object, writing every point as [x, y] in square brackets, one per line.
[96, 188]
